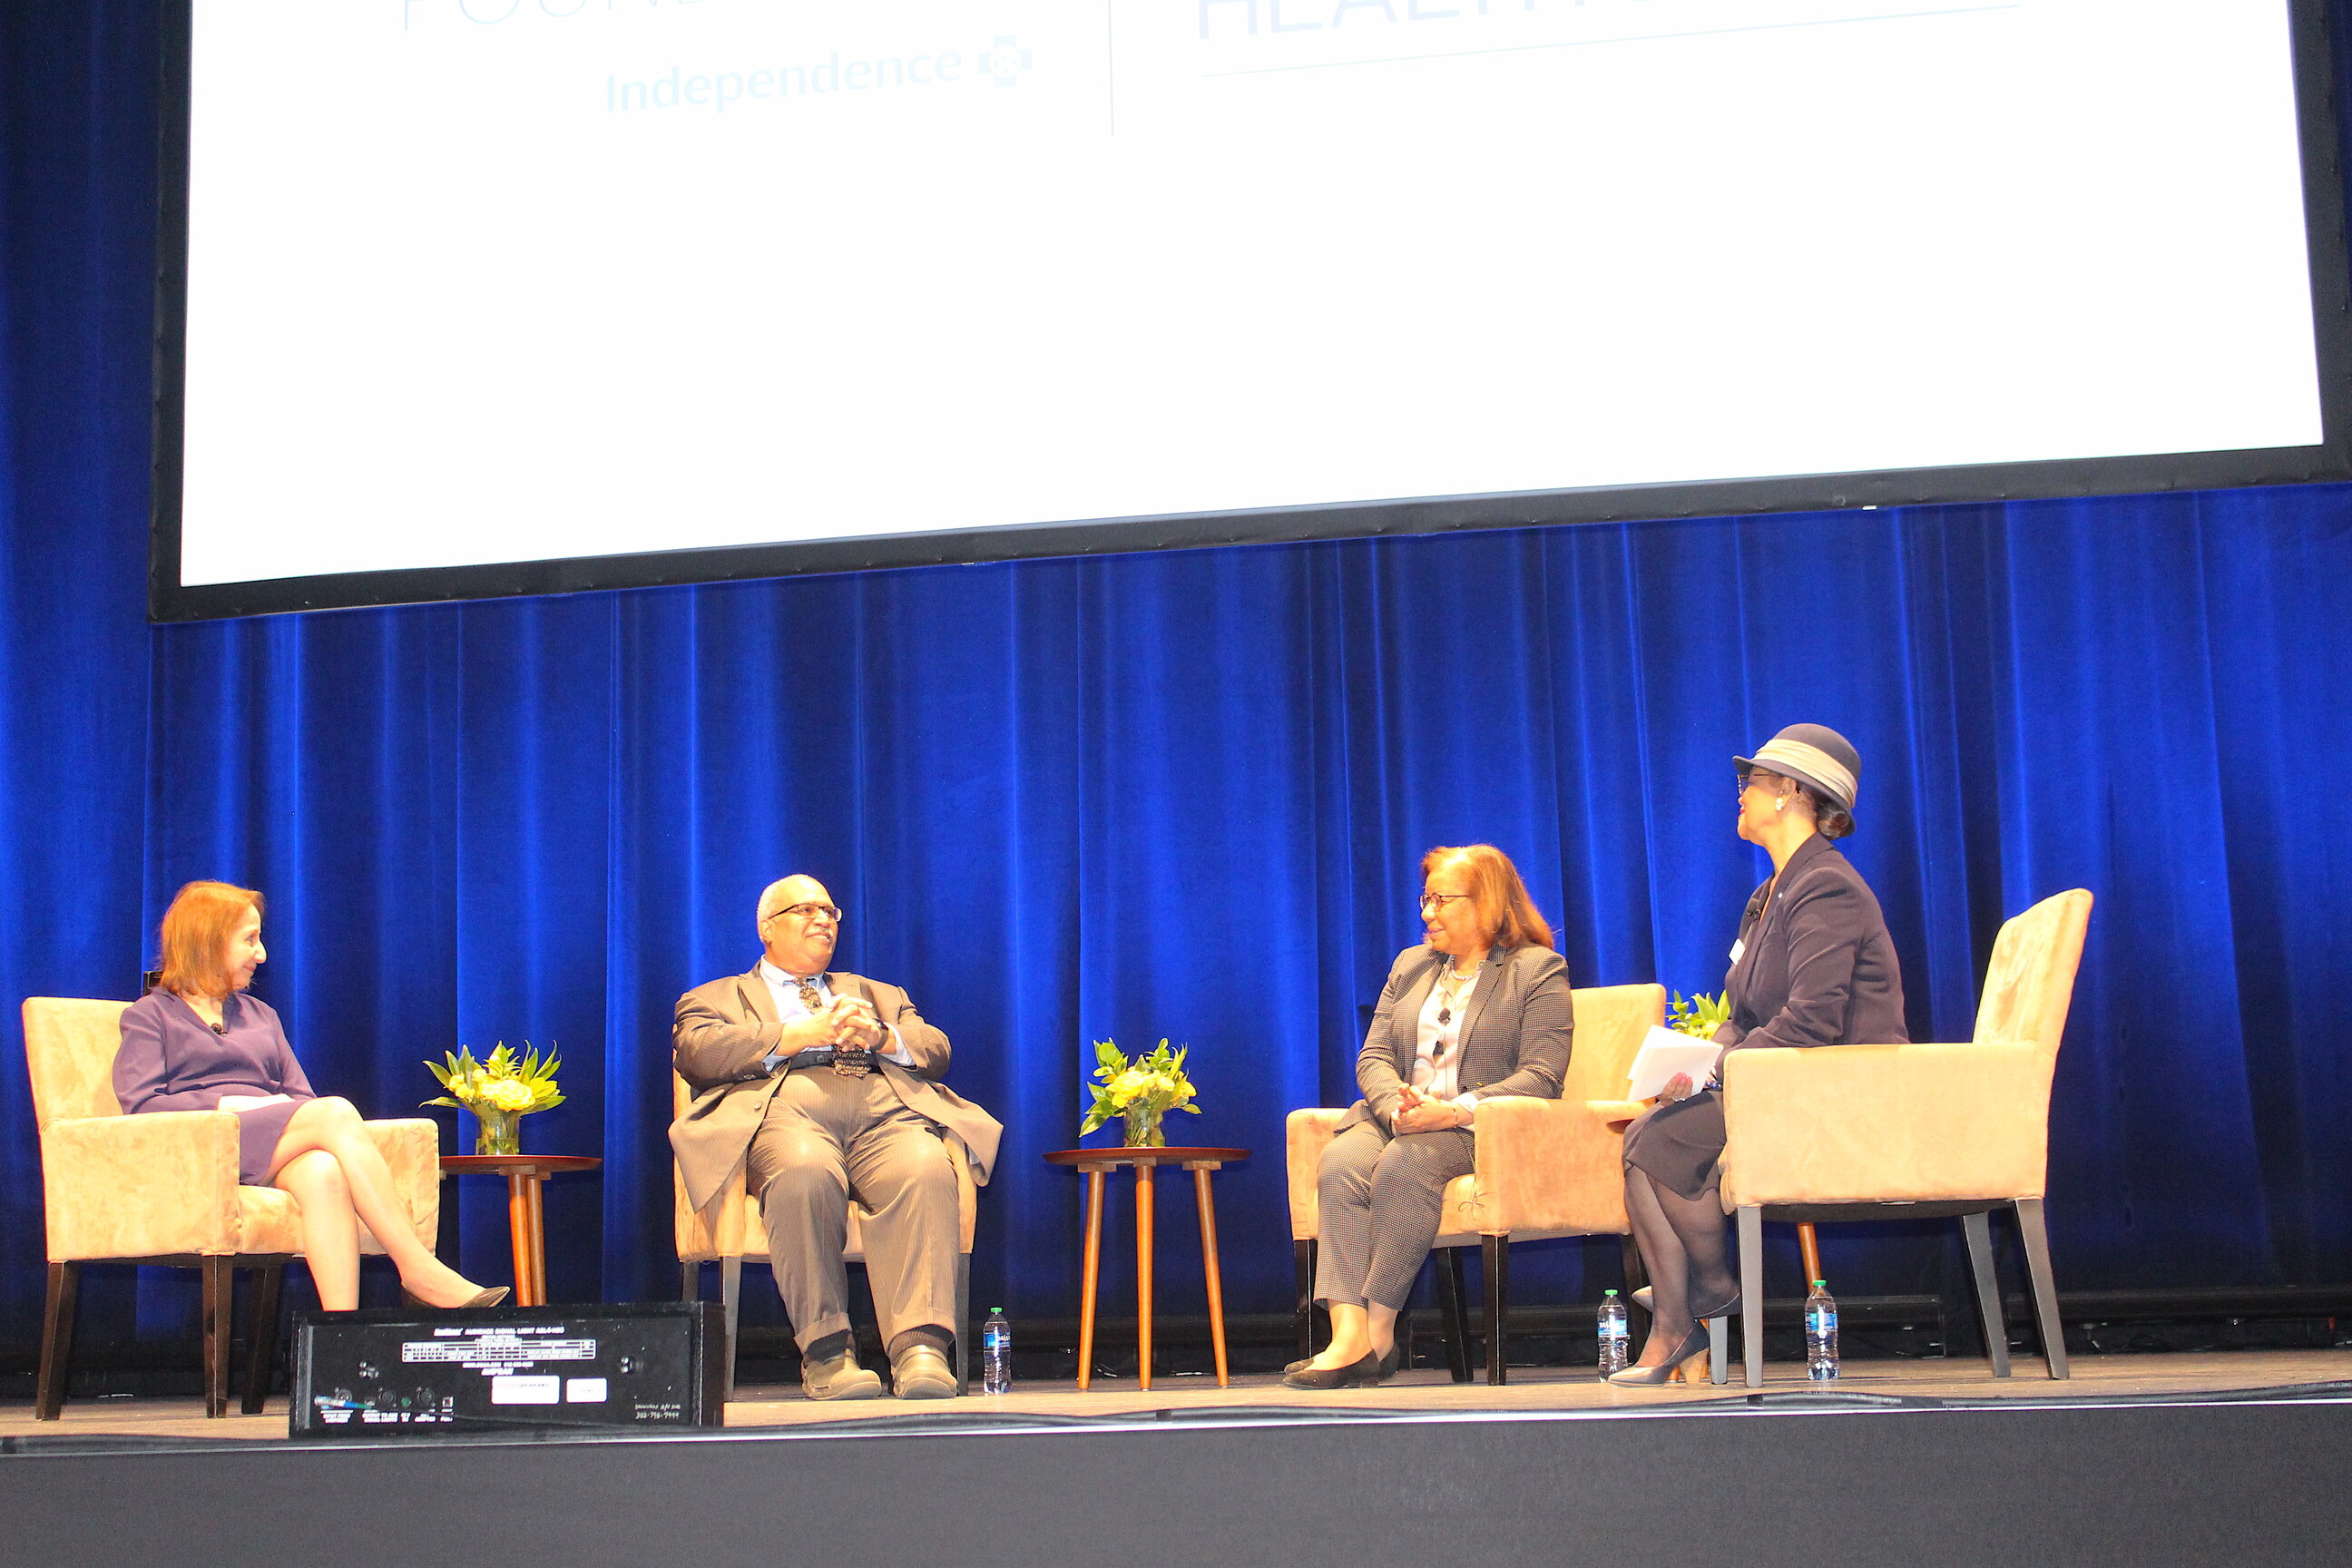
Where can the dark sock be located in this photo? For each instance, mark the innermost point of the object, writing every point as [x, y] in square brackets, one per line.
[931, 1334]
[826, 1348]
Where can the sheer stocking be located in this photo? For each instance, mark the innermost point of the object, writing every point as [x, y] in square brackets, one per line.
[1681, 1239]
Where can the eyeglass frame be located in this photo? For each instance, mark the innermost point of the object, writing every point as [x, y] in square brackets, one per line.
[807, 910]
[1440, 900]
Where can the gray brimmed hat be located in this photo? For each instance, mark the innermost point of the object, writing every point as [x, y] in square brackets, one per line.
[1813, 754]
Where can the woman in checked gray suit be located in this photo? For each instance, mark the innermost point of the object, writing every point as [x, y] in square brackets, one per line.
[1478, 1010]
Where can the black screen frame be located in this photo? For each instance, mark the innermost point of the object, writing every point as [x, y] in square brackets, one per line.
[2318, 83]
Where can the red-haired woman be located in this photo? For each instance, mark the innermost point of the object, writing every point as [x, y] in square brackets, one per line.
[1478, 1010]
[197, 1042]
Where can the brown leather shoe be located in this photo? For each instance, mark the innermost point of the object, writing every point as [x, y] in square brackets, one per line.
[839, 1377]
[921, 1372]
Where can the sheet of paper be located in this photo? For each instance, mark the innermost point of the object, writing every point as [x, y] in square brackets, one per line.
[250, 1101]
[1665, 1053]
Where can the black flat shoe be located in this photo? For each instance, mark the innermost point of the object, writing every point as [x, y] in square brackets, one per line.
[1365, 1373]
[1657, 1376]
[1388, 1362]
[489, 1298]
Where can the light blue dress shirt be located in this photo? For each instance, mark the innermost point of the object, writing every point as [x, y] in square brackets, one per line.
[785, 991]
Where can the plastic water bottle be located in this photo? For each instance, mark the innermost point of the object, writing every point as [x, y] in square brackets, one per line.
[1613, 1333]
[1820, 1334]
[996, 1353]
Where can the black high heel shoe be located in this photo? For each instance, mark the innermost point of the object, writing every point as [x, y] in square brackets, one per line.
[1701, 1337]
[1641, 1299]
[1364, 1373]
[1658, 1376]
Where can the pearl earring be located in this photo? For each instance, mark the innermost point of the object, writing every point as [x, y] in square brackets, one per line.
[1781, 804]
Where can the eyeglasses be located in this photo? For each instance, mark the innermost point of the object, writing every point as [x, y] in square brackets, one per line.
[1749, 781]
[1431, 903]
[810, 912]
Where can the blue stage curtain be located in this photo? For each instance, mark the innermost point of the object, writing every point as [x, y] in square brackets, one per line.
[1179, 795]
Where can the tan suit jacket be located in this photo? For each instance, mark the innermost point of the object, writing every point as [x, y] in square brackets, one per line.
[722, 1036]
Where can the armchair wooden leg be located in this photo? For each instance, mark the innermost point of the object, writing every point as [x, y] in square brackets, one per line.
[2046, 1288]
[1752, 1291]
[731, 1307]
[261, 1336]
[1498, 1309]
[1979, 1230]
[56, 1341]
[963, 1323]
[220, 1279]
[1452, 1296]
[1808, 1248]
[1302, 1268]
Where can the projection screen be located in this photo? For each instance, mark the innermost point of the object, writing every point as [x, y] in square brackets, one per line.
[473, 297]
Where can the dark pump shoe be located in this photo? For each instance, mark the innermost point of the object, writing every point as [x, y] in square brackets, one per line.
[1366, 1373]
[489, 1298]
[921, 1372]
[1387, 1362]
[1692, 1343]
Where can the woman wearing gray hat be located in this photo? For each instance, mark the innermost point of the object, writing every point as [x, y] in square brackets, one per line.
[1814, 966]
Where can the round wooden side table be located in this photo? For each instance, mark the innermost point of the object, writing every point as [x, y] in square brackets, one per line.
[525, 1224]
[1098, 1165]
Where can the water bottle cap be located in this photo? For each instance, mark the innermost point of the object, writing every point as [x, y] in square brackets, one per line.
[1612, 1295]
[1820, 1284]
[996, 1308]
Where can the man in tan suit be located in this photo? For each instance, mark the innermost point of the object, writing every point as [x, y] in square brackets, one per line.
[825, 1086]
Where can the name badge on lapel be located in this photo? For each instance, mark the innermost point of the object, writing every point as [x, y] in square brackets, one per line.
[1739, 946]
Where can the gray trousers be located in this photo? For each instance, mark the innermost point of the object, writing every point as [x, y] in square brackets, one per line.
[1380, 1197]
[826, 1137]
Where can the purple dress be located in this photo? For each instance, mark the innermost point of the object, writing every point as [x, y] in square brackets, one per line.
[171, 1061]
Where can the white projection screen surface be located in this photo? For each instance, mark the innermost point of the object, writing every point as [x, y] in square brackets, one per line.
[496, 296]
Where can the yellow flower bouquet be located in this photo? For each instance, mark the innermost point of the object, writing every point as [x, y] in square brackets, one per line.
[1701, 1016]
[1139, 1092]
[499, 1090]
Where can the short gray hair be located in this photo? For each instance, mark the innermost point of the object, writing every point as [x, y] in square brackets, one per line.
[771, 899]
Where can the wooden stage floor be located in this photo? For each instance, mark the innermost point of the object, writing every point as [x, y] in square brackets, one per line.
[1530, 1391]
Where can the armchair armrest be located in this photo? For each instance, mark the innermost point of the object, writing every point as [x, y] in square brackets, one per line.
[1550, 1165]
[1305, 1137]
[1885, 1123]
[156, 1185]
[411, 1146]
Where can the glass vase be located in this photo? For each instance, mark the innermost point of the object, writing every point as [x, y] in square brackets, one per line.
[1143, 1130]
[498, 1133]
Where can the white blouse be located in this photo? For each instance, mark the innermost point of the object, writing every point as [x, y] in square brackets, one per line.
[1437, 1056]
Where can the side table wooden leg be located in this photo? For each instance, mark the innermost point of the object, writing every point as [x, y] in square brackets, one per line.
[1209, 1263]
[1143, 1270]
[1093, 1275]
[538, 1200]
[518, 1235]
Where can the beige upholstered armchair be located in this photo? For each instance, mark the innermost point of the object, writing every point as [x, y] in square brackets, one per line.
[730, 1229]
[1544, 1168]
[162, 1188]
[1847, 1133]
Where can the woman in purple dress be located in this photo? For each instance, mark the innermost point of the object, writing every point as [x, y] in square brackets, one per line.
[197, 1042]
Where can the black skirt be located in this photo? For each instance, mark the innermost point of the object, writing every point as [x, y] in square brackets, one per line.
[1678, 1144]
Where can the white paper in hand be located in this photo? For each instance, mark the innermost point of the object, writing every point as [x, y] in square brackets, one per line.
[1663, 1054]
